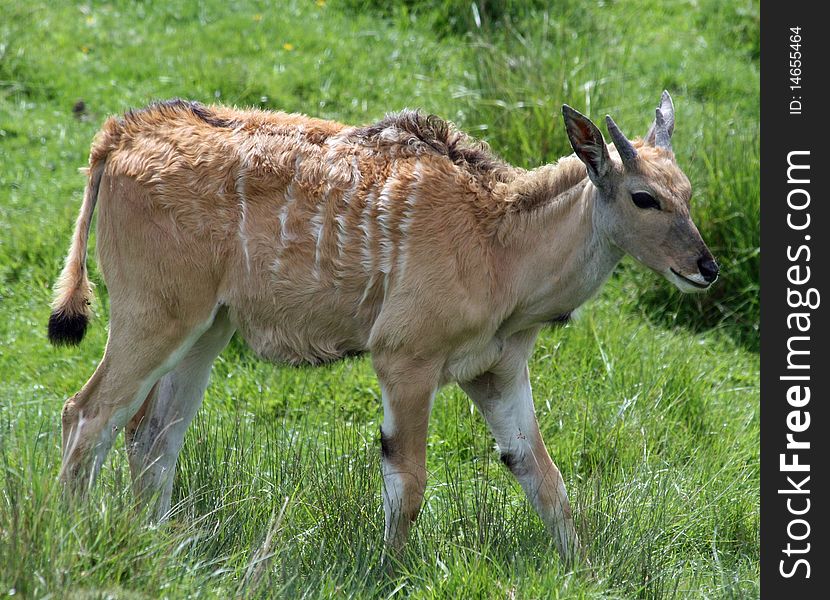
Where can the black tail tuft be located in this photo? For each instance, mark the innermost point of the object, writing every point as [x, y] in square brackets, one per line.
[67, 329]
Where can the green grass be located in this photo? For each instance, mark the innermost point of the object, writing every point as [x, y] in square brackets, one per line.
[648, 402]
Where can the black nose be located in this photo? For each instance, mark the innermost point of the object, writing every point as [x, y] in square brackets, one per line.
[708, 268]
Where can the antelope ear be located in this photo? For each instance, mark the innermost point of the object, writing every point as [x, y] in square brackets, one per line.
[666, 109]
[586, 140]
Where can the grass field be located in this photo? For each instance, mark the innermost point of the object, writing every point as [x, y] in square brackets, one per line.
[648, 402]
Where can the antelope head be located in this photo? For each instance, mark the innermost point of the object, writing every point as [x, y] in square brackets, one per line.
[642, 199]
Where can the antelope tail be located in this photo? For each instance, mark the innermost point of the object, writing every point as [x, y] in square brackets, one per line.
[73, 290]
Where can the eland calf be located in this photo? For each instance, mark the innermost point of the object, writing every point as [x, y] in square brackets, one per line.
[315, 240]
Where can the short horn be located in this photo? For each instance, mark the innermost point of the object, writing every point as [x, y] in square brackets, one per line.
[627, 151]
[662, 139]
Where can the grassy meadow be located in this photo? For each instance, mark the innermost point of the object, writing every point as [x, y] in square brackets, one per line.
[648, 402]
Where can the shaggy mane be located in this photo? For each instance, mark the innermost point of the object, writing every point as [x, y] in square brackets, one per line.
[412, 132]
[177, 106]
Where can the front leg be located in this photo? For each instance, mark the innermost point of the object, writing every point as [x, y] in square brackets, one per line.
[408, 388]
[504, 397]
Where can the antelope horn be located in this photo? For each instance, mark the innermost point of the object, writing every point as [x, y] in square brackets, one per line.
[624, 147]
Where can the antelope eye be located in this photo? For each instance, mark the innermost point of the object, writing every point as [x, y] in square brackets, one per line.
[645, 200]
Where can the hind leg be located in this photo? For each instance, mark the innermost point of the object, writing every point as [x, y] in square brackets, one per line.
[139, 351]
[156, 433]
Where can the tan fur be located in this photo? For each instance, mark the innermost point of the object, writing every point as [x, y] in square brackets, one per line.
[316, 240]
[73, 290]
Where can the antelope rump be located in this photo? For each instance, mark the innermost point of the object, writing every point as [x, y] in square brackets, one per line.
[316, 240]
